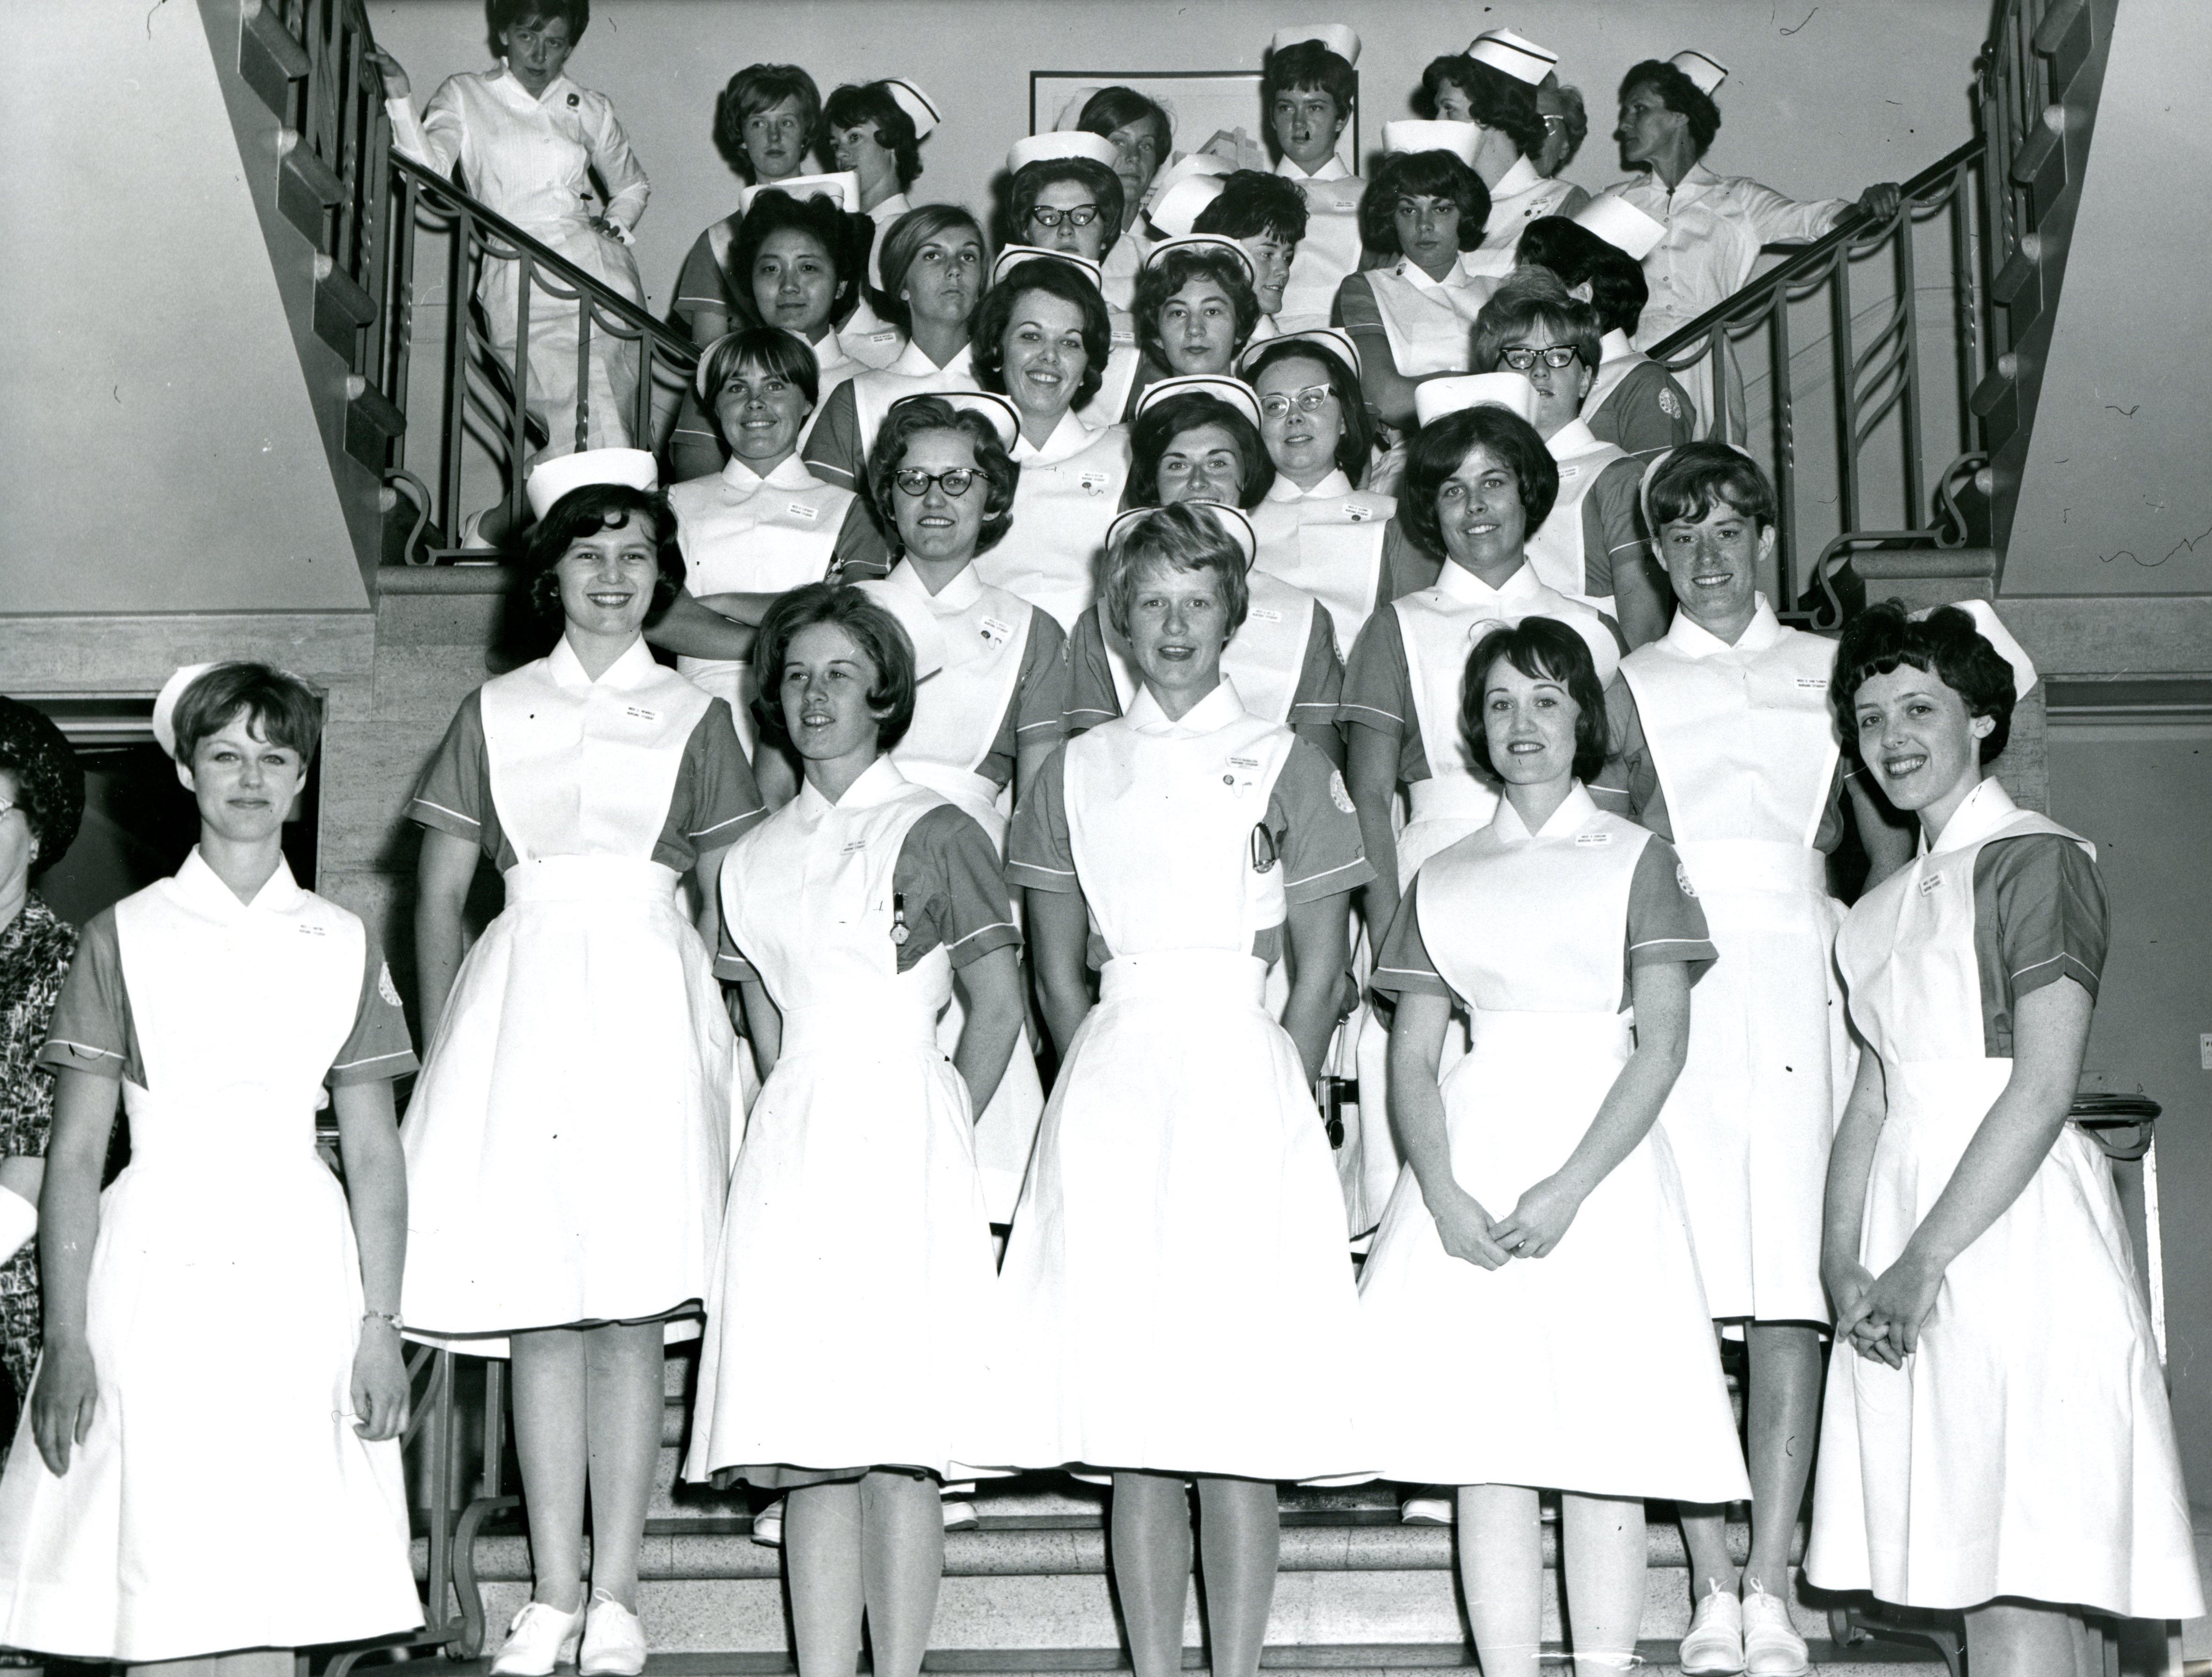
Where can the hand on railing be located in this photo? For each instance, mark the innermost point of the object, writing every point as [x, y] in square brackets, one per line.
[388, 70]
[1879, 202]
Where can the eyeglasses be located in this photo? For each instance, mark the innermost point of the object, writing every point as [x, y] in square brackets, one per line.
[1522, 359]
[1312, 399]
[954, 480]
[1081, 215]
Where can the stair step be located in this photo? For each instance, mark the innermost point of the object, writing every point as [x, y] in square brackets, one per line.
[268, 59]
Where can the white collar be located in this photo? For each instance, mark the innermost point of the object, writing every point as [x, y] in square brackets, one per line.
[1691, 638]
[1331, 169]
[633, 669]
[789, 473]
[891, 209]
[830, 354]
[202, 887]
[1329, 488]
[913, 362]
[1069, 438]
[1614, 346]
[509, 88]
[1456, 582]
[1215, 711]
[1986, 809]
[1521, 177]
[879, 783]
[1414, 275]
[956, 596]
[1572, 438]
[1576, 812]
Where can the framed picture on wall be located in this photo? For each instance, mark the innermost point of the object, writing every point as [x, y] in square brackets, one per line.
[1200, 103]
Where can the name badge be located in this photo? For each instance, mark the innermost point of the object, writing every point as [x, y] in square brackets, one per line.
[996, 633]
[310, 930]
[1244, 772]
[854, 847]
[1094, 482]
[881, 337]
[1593, 838]
[1813, 684]
[1260, 614]
[1358, 512]
[640, 714]
[1571, 472]
[1929, 885]
[800, 509]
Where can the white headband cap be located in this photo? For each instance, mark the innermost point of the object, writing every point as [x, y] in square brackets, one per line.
[1516, 55]
[1050, 148]
[1706, 73]
[1651, 473]
[1329, 340]
[845, 188]
[165, 705]
[1195, 241]
[1621, 225]
[1234, 392]
[554, 478]
[1459, 138]
[1435, 398]
[1005, 418]
[1338, 37]
[920, 109]
[1071, 114]
[1999, 637]
[1174, 210]
[1014, 255]
[1234, 524]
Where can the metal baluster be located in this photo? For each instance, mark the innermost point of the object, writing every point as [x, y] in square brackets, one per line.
[518, 447]
[1785, 461]
[457, 271]
[640, 433]
[583, 370]
[1847, 398]
[1907, 282]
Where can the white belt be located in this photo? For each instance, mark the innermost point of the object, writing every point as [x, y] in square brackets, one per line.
[1452, 796]
[1725, 866]
[1194, 976]
[900, 1014]
[1564, 1036]
[590, 879]
[171, 1132]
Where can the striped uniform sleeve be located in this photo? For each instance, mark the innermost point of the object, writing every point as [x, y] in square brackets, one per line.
[948, 879]
[2039, 916]
[833, 451]
[377, 1048]
[1405, 569]
[862, 553]
[730, 964]
[700, 285]
[455, 791]
[1315, 829]
[717, 796]
[1320, 678]
[1040, 856]
[1378, 693]
[1613, 526]
[1040, 707]
[1090, 694]
[1404, 969]
[90, 1029]
[1665, 921]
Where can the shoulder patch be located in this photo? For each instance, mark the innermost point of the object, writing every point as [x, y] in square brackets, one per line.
[1337, 794]
[1682, 879]
[1667, 405]
[385, 987]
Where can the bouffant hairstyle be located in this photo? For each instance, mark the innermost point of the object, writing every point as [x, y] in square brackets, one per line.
[1186, 538]
[506, 14]
[1945, 643]
[49, 781]
[1420, 174]
[1160, 281]
[1358, 437]
[768, 348]
[1251, 203]
[1437, 451]
[758, 87]
[864, 104]
[1159, 425]
[1116, 107]
[1094, 177]
[278, 706]
[913, 416]
[882, 641]
[904, 240]
[1534, 306]
[1055, 279]
[1494, 99]
[1559, 245]
[819, 217]
[587, 511]
[1679, 93]
[1309, 64]
[1697, 475]
[1543, 649]
[1618, 291]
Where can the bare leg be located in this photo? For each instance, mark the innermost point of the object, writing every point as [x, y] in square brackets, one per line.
[2018, 1638]
[2089, 1643]
[1602, 1549]
[551, 1412]
[1501, 1572]
[821, 1560]
[1150, 1555]
[622, 1369]
[902, 1563]
[1784, 1417]
[1240, 1536]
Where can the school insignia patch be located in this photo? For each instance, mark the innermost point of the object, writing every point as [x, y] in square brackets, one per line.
[1338, 795]
[1682, 879]
[1668, 404]
[385, 987]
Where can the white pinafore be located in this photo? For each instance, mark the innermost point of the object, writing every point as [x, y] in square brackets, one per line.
[969, 642]
[913, 373]
[568, 1145]
[1069, 492]
[1331, 249]
[222, 1316]
[1515, 1376]
[1182, 1212]
[1429, 322]
[2026, 1447]
[1327, 540]
[1746, 752]
[1265, 658]
[1556, 550]
[853, 1311]
[740, 532]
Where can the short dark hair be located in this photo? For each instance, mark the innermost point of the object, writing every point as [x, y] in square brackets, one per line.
[1160, 424]
[857, 104]
[776, 211]
[882, 641]
[1946, 643]
[1031, 179]
[1561, 244]
[1696, 475]
[1307, 63]
[1159, 281]
[1252, 202]
[1618, 290]
[1494, 99]
[1185, 536]
[1679, 93]
[1110, 108]
[1543, 649]
[1055, 279]
[1357, 439]
[277, 705]
[1439, 448]
[587, 511]
[1527, 303]
[903, 241]
[769, 347]
[49, 781]
[576, 13]
[910, 417]
[758, 87]
[1433, 175]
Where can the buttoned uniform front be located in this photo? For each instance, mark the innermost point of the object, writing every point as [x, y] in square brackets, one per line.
[1634, 402]
[1746, 753]
[1328, 542]
[1513, 1376]
[568, 1145]
[533, 160]
[224, 1302]
[1580, 521]
[1069, 492]
[837, 447]
[1182, 1209]
[1430, 323]
[1520, 197]
[1330, 251]
[2026, 1447]
[857, 1240]
[972, 645]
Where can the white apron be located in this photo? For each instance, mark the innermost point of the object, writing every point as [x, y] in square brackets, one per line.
[1430, 323]
[970, 641]
[1746, 752]
[1182, 1212]
[853, 1299]
[2026, 1447]
[1556, 550]
[1265, 658]
[1070, 491]
[1330, 251]
[912, 374]
[1520, 197]
[561, 1169]
[1516, 1376]
[1118, 377]
[1328, 542]
[222, 1316]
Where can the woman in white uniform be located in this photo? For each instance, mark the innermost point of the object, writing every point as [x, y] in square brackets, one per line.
[857, 1243]
[1065, 195]
[1042, 337]
[565, 1180]
[1195, 309]
[1535, 1251]
[1268, 217]
[222, 1389]
[528, 141]
[1995, 1437]
[1309, 89]
[1182, 1209]
[1143, 139]
[875, 130]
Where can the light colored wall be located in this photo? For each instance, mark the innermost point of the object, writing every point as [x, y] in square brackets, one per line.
[158, 451]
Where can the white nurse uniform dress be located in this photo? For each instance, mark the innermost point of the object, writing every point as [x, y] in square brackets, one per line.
[1330, 251]
[1069, 492]
[1329, 541]
[225, 1302]
[1594, 527]
[1429, 323]
[837, 447]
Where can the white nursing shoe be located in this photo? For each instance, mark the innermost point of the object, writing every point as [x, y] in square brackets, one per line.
[1426, 1511]
[767, 1526]
[541, 1637]
[614, 1640]
[1772, 1646]
[1714, 1646]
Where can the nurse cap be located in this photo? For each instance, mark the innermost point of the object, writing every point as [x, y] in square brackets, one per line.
[1174, 210]
[1705, 74]
[845, 188]
[1014, 255]
[1050, 147]
[1999, 637]
[1201, 241]
[1234, 525]
[1459, 138]
[920, 109]
[554, 478]
[1233, 391]
[1005, 417]
[1621, 225]
[1436, 398]
[1338, 37]
[1516, 55]
[1330, 340]
[165, 704]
